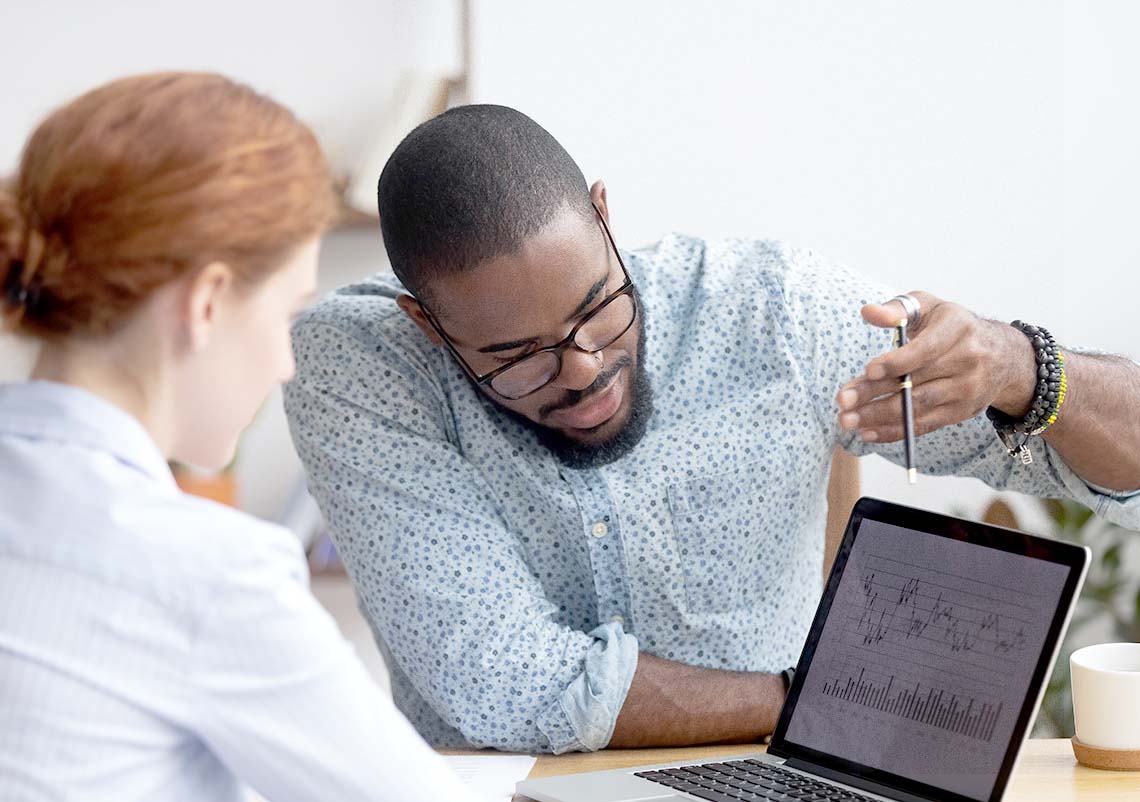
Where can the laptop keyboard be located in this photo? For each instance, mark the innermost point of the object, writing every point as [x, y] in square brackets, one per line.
[749, 781]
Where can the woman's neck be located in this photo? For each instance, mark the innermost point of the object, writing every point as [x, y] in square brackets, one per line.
[114, 372]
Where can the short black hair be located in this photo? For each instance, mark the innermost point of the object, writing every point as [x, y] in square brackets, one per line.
[470, 185]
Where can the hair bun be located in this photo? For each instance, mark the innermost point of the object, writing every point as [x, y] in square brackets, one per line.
[12, 235]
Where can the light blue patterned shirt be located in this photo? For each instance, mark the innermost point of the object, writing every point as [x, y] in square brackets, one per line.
[511, 594]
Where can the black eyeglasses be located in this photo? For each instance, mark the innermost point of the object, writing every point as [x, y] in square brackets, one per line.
[600, 329]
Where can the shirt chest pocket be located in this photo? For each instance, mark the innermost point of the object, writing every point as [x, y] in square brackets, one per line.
[732, 552]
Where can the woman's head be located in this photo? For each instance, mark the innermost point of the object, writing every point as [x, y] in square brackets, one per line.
[171, 220]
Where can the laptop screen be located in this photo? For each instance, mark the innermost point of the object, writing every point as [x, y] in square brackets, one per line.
[928, 659]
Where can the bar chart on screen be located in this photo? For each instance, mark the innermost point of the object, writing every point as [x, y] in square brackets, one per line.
[927, 646]
[930, 705]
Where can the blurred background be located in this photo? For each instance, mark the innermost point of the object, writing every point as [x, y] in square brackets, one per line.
[982, 151]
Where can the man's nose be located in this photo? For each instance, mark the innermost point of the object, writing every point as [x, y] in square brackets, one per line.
[579, 369]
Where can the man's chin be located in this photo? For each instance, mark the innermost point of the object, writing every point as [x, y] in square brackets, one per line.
[605, 431]
[592, 448]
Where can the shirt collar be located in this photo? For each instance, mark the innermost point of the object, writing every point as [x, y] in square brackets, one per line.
[67, 414]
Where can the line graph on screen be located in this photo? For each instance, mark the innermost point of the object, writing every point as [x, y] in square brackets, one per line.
[928, 645]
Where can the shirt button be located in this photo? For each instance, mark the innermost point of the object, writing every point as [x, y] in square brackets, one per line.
[600, 529]
[617, 619]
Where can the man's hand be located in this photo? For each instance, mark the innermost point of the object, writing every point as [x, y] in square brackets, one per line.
[959, 364]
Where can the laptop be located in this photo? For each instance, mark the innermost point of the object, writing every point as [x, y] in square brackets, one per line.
[919, 681]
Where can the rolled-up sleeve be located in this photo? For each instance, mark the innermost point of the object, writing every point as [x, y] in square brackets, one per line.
[833, 344]
[443, 580]
[582, 718]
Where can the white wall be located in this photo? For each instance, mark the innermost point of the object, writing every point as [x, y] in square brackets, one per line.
[983, 151]
[333, 62]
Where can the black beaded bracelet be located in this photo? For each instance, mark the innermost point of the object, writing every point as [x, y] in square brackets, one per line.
[1049, 395]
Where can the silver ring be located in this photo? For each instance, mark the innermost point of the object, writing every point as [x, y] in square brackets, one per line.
[912, 308]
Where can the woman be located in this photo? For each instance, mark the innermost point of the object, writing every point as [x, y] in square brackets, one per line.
[160, 235]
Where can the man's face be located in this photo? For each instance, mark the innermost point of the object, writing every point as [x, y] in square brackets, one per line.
[532, 298]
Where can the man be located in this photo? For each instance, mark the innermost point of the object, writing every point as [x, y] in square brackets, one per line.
[581, 491]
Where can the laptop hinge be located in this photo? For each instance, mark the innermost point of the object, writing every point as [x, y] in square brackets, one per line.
[854, 782]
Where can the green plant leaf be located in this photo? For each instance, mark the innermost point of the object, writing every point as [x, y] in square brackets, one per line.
[1111, 557]
[1080, 515]
[1105, 593]
[1055, 510]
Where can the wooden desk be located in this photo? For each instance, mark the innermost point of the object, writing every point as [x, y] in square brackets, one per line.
[1047, 771]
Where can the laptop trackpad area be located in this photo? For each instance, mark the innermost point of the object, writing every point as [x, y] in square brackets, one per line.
[599, 786]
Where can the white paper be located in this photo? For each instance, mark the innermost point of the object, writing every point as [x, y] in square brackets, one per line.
[491, 778]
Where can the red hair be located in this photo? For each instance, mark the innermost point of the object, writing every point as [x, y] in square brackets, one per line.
[137, 182]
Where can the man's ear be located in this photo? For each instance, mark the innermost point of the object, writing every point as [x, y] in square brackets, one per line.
[411, 307]
[202, 302]
[598, 196]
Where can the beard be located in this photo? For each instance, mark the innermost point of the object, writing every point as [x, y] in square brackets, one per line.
[576, 454]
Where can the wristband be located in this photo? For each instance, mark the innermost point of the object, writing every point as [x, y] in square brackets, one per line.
[1049, 395]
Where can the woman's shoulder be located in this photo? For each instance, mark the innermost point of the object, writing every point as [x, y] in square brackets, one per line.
[217, 539]
[180, 551]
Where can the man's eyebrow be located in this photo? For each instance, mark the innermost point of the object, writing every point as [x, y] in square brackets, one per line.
[490, 349]
[590, 296]
[593, 293]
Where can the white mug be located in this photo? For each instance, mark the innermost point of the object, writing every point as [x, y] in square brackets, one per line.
[1106, 695]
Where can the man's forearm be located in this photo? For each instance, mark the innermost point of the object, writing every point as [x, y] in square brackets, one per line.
[1097, 432]
[673, 704]
[1099, 435]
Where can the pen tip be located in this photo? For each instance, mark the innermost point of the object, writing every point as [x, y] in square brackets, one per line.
[912, 475]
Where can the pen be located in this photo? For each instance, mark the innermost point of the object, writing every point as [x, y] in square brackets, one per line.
[905, 386]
